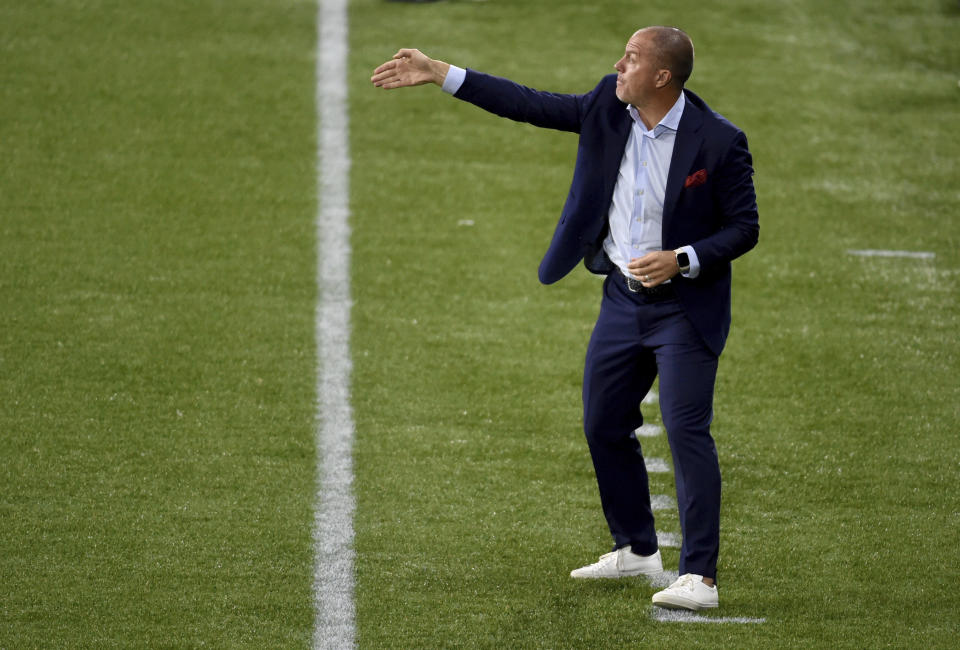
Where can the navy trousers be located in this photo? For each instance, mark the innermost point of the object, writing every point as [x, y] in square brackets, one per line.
[635, 339]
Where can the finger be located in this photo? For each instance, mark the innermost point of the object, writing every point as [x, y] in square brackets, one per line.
[387, 73]
[384, 80]
[385, 66]
[390, 84]
[384, 73]
[640, 262]
[639, 275]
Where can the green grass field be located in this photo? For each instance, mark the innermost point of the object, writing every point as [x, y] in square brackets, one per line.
[158, 364]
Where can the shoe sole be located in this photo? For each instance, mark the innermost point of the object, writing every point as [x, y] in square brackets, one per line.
[688, 605]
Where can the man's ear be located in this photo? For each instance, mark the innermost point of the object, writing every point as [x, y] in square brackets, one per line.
[664, 77]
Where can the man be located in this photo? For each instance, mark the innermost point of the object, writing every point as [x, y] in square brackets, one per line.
[662, 200]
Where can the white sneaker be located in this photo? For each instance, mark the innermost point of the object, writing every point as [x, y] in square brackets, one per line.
[688, 592]
[620, 563]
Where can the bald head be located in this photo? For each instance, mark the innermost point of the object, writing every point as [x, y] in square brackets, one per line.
[673, 50]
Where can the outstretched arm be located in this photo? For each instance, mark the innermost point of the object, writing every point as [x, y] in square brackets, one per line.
[409, 67]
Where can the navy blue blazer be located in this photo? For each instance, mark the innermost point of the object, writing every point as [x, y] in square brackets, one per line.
[713, 210]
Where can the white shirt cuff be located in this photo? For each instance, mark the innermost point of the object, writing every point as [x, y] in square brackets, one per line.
[694, 261]
[454, 79]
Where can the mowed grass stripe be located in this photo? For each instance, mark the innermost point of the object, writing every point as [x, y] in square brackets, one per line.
[157, 302]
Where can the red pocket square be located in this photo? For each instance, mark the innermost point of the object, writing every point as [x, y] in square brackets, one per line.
[696, 178]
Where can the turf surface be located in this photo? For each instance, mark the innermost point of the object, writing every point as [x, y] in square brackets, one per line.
[157, 363]
[156, 323]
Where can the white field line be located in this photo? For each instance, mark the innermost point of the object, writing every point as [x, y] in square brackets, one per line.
[656, 465]
[664, 578]
[648, 430]
[662, 502]
[869, 252]
[683, 616]
[651, 398]
[668, 540]
[333, 582]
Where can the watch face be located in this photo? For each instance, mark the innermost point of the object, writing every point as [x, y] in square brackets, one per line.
[683, 260]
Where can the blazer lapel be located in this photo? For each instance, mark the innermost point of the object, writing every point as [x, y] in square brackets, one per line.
[685, 149]
[614, 147]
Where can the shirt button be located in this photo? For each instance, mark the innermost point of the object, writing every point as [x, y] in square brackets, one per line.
[643, 163]
[636, 245]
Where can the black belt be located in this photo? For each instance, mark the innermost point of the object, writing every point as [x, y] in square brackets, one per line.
[659, 292]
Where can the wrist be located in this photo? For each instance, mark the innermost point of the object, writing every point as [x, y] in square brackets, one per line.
[440, 70]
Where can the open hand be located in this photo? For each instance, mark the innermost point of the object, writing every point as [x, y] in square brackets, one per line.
[409, 67]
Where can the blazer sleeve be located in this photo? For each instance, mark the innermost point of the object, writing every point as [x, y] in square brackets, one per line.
[564, 112]
[735, 204]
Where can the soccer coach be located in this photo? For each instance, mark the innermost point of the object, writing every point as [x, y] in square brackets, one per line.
[662, 200]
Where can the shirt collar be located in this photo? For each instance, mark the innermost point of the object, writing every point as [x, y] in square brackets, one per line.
[670, 121]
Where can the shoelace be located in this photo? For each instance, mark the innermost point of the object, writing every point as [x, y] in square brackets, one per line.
[686, 581]
[604, 560]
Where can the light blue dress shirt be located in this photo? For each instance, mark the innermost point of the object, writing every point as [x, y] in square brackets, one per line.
[636, 210]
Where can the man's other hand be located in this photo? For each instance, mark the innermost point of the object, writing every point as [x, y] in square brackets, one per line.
[409, 67]
[654, 268]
